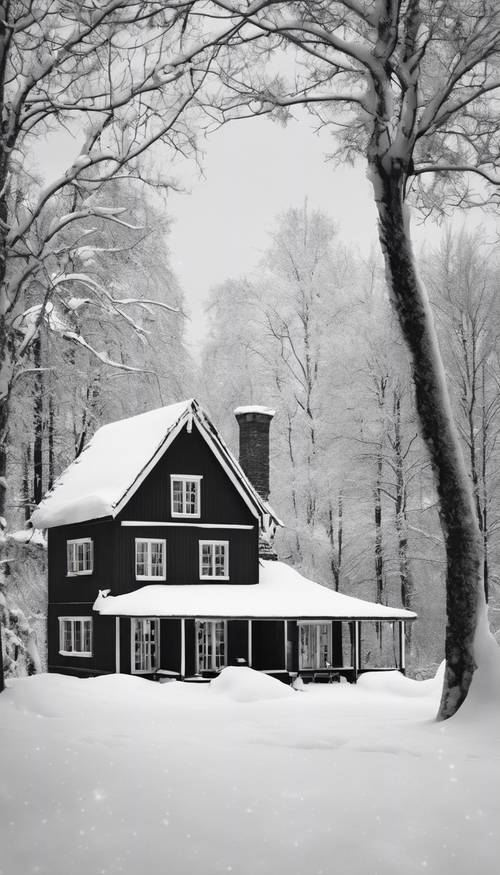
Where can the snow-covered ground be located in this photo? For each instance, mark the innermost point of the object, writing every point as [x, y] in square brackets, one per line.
[121, 775]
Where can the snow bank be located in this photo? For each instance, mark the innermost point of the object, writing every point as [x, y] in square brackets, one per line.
[484, 694]
[243, 684]
[396, 684]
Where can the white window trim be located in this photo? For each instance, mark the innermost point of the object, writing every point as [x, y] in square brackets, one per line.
[133, 623]
[212, 621]
[69, 544]
[185, 478]
[152, 576]
[317, 624]
[78, 653]
[224, 576]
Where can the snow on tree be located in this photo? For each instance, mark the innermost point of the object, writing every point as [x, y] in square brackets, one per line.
[413, 87]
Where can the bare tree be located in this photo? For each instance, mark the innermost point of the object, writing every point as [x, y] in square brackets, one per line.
[463, 277]
[121, 77]
[412, 86]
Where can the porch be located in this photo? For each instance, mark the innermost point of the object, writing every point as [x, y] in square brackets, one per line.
[316, 650]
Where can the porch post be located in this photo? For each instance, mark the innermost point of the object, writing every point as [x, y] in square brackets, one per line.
[285, 635]
[356, 649]
[183, 647]
[402, 646]
[117, 645]
[250, 643]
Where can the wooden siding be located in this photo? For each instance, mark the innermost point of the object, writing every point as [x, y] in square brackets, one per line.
[183, 555]
[103, 641]
[237, 641]
[84, 587]
[190, 645]
[170, 645]
[268, 644]
[189, 454]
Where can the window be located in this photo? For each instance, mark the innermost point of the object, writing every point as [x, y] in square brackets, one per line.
[214, 560]
[80, 556]
[150, 559]
[145, 638]
[185, 494]
[211, 645]
[75, 636]
[315, 645]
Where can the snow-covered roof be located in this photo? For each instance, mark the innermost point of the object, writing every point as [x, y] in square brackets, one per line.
[120, 455]
[282, 592]
[254, 408]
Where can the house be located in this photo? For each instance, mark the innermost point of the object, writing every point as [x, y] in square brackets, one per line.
[160, 560]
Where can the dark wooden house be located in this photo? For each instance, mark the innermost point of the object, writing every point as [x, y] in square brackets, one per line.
[161, 560]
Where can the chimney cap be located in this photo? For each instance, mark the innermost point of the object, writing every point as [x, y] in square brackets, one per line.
[254, 408]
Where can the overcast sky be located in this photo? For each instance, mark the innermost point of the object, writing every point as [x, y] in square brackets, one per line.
[253, 170]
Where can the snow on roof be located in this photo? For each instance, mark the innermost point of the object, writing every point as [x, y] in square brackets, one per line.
[92, 486]
[115, 461]
[254, 408]
[281, 592]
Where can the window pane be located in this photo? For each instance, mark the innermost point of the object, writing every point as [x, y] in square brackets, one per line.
[78, 636]
[206, 559]
[190, 487]
[324, 641]
[178, 493]
[157, 564]
[87, 640]
[67, 637]
[141, 567]
[219, 557]
[219, 644]
[145, 648]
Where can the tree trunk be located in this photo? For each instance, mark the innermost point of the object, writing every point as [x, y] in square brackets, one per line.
[379, 558]
[464, 559]
[37, 425]
[51, 426]
[406, 581]
[336, 539]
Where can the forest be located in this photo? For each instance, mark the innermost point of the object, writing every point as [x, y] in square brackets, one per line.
[383, 367]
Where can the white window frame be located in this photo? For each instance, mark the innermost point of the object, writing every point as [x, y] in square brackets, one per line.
[152, 664]
[211, 543]
[186, 478]
[316, 625]
[74, 620]
[71, 552]
[211, 627]
[149, 575]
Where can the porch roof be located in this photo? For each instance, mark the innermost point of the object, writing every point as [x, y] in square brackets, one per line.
[282, 593]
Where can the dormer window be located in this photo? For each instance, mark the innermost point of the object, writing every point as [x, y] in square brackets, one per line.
[185, 495]
[80, 556]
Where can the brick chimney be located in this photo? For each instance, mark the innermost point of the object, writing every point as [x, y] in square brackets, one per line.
[254, 422]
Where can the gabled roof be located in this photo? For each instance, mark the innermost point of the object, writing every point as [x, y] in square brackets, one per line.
[118, 458]
[282, 593]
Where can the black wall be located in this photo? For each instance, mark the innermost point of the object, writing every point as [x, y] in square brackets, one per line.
[188, 454]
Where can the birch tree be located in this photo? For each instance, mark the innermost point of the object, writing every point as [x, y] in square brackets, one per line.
[412, 86]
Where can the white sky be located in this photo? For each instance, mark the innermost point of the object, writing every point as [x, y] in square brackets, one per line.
[253, 170]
